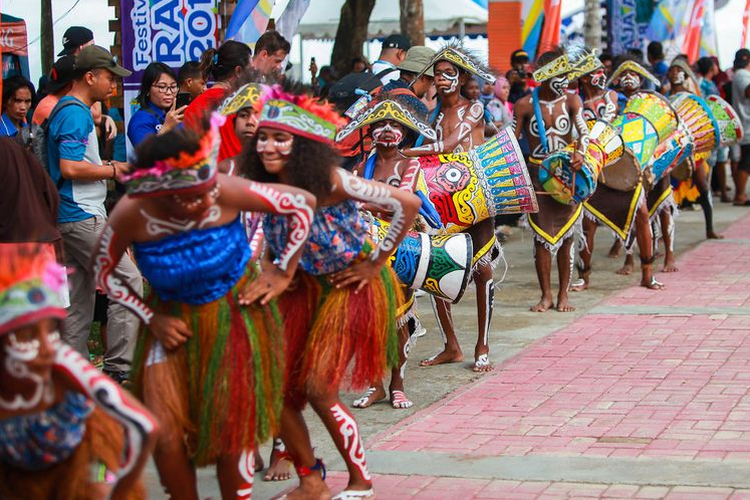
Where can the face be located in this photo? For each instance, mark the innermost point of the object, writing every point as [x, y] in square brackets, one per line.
[630, 80]
[447, 78]
[245, 124]
[34, 346]
[102, 83]
[598, 79]
[676, 75]
[558, 84]
[164, 91]
[471, 90]
[388, 133]
[422, 85]
[195, 86]
[194, 206]
[269, 64]
[18, 105]
[504, 92]
[607, 66]
[274, 148]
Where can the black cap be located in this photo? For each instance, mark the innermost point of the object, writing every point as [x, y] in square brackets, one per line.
[741, 58]
[397, 42]
[95, 57]
[74, 37]
[61, 74]
[519, 55]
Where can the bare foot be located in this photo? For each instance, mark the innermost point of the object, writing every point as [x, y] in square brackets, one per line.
[580, 285]
[370, 397]
[258, 460]
[447, 356]
[725, 198]
[349, 494]
[399, 401]
[669, 265]
[562, 303]
[482, 363]
[280, 468]
[616, 249]
[652, 284]
[713, 235]
[626, 269]
[309, 490]
[544, 304]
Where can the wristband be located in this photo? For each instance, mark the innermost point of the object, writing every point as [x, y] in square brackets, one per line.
[114, 170]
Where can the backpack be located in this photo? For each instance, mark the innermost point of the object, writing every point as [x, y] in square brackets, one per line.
[344, 93]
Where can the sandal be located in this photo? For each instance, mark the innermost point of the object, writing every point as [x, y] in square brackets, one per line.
[399, 401]
[355, 495]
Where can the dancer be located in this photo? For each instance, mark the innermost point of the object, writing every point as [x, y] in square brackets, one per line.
[548, 117]
[67, 430]
[342, 303]
[618, 210]
[459, 124]
[392, 122]
[208, 365]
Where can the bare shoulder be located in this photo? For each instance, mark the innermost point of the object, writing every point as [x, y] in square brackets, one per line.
[574, 101]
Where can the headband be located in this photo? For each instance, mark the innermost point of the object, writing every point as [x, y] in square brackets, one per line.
[557, 67]
[387, 110]
[635, 67]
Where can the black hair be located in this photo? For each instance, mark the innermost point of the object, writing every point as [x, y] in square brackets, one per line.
[606, 56]
[191, 69]
[549, 56]
[220, 63]
[14, 83]
[167, 145]
[704, 65]
[271, 41]
[151, 75]
[655, 50]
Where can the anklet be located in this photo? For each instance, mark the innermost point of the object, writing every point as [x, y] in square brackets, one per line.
[303, 471]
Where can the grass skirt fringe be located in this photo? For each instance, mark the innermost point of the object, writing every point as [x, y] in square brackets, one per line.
[326, 328]
[223, 386]
[73, 478]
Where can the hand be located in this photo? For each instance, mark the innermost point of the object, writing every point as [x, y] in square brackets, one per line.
[360, 273]
[576, 161]
[174, 117]
[270, 284]
[170, 331]
[121, 168]
[109, 127]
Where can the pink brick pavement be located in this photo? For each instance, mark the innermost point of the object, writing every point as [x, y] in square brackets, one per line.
[607, 385]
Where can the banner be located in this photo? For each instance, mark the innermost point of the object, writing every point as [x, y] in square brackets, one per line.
[249, 21]
[551, 30]
[691, 44]
[531, 31]
[709, 44]
[625, 32]
[745, 17]
[289, 20]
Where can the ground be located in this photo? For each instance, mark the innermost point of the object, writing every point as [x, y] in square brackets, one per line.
[636, 394]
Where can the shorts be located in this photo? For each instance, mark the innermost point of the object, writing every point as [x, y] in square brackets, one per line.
[734, 152]
[719, 155]
[744, 164]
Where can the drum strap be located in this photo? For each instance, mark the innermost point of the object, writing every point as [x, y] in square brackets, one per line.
[540, 120]
[369, 172]
[433, 117]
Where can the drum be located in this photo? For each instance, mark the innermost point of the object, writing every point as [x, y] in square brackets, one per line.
[437, 264]
[467, 188]
[570, 188]
[671, 153]
[647, 120]
[730, 127]
[699, 120]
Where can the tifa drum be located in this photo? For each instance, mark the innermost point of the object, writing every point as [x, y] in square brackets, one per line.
[699, 120]
[438, 264]
[730, 127]
[466, 188]
[671, 154]
[569, 187]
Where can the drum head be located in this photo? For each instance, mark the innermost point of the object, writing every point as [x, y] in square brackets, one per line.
[624, 174]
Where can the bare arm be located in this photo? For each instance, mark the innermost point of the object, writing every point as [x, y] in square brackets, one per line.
[474, 116]
[610, 106]
[85, 171]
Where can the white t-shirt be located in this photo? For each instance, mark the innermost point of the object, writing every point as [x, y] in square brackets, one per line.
[740, 102]
[378, 66]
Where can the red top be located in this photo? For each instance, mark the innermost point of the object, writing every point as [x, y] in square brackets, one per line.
[197, 111]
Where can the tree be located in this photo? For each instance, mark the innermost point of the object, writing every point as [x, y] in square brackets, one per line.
[592, 24]
[48, 37]
[351, 33]
[412, 20]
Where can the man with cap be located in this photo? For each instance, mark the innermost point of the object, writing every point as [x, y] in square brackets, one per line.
[741, 103]
[391, 55]
[60, 81]
[81, 178]
[517, 75]
[413, 75]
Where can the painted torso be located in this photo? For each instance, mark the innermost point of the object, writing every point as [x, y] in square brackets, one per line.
[558, 127]
[602, 105]
[450, 119]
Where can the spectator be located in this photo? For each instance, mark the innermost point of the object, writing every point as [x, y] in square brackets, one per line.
[707, 70]
[18, 94]
[518, 75]
[270, 51]
[392, 54]
[471, 90]
[359, 65]
[741, 103]
[500, 108]
[81, 179]
[192, 82]
[609, 63]
[157, 98]
[58, 84]
[655, 52]
[411, 76]
[488, 92]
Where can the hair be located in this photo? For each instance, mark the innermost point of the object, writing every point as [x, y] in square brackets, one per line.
[549, 56]
[14, 83]
[151, 75]
[271, 41]
[163, 146]
[191, 69]
[219, 63]
[705, 64]
[606, 56]
[637, 53]
[655, 50]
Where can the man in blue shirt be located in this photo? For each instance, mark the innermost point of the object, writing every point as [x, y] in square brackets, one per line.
[81, 178]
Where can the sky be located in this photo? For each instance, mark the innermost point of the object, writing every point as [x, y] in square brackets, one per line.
[95, 14]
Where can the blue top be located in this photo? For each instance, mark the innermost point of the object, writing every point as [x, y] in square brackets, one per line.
[195, 267]
[660, 69]
[39, 440]
[708, 88]
[144, 122]
[72, 136]
[7, 127]
[337, 236]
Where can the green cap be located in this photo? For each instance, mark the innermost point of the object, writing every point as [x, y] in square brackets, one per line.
[96, 57]
[417, 58]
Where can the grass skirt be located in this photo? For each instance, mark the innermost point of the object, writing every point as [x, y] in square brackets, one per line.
[326, 328]
[223, 386]
[74, 477]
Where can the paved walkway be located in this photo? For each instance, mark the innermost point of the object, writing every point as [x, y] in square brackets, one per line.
[646, 396]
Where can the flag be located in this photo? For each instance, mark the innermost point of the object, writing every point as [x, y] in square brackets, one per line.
[289, 20]
[745, 17]
[551, 30]
[624, 30]
[532, 26]
[666, 20]
[708, 44]
[691, 43]
[249, 21]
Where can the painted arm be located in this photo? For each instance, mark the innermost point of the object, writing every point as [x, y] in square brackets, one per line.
[474, 116]
[409, 177]
[610, 106]
[139, 426]
[576, 108]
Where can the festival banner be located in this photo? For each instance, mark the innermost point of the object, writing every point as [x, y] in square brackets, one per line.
[691, 44]
[625, 32]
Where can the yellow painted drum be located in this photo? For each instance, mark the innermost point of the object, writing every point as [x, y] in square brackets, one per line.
[730, 127]
[699, 120]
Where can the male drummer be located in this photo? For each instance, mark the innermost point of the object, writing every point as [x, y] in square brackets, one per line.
[392, 121]
[459, 124]
[550, 118]
[617, 210]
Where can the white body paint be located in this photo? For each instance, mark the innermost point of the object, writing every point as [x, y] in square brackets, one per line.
[352, 440]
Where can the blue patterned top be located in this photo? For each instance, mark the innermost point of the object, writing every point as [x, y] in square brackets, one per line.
[336, 238]
[39, 440]
[195, 267]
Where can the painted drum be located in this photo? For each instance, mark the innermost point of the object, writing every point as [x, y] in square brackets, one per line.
[466, 188]
[569, 187]
[438, 264]
[730, 127]
[671, 153]
[699, 120]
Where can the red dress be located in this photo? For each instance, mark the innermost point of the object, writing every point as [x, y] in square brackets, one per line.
[198, 110]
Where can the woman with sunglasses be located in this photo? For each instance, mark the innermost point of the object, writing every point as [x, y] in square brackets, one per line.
[157, 98]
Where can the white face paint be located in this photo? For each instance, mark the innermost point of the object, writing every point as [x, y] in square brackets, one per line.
[284, 148]
[559, 84]
[387, 135]
[630, 81]
[599, 79]
[22, 350]
[679, 78]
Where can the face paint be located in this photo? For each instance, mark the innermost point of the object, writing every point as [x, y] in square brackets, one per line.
[284, 148]
[599, 79]
[387, 136]
[22, 350]
[630, 81]
[679, 78]
[558, 85]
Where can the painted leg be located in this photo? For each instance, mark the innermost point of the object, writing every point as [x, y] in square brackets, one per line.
[297, 440]
[543, 264]
[646, 247]
[452, 351]
[667, 230]
[485, 304]
[701, 180]
[565, 261]
[280, 465]
[585, 252]
[407, 337]
[235, 474]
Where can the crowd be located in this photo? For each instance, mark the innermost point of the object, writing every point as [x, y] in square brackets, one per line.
[264, 246]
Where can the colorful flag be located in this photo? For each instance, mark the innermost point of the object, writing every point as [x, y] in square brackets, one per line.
[745, 17]
[249, 20]
[708, 33]
[691, 44]
[532, 26]
[666, 20]
[289, 20]
[551, 30]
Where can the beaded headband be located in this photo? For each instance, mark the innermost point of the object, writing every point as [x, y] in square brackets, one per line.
[31, 285]
[557, 67]
[245, 97]
[461, 57]
[387, 109]
[587, 62]
[298, 114]
[186, 173]
[636, 68]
